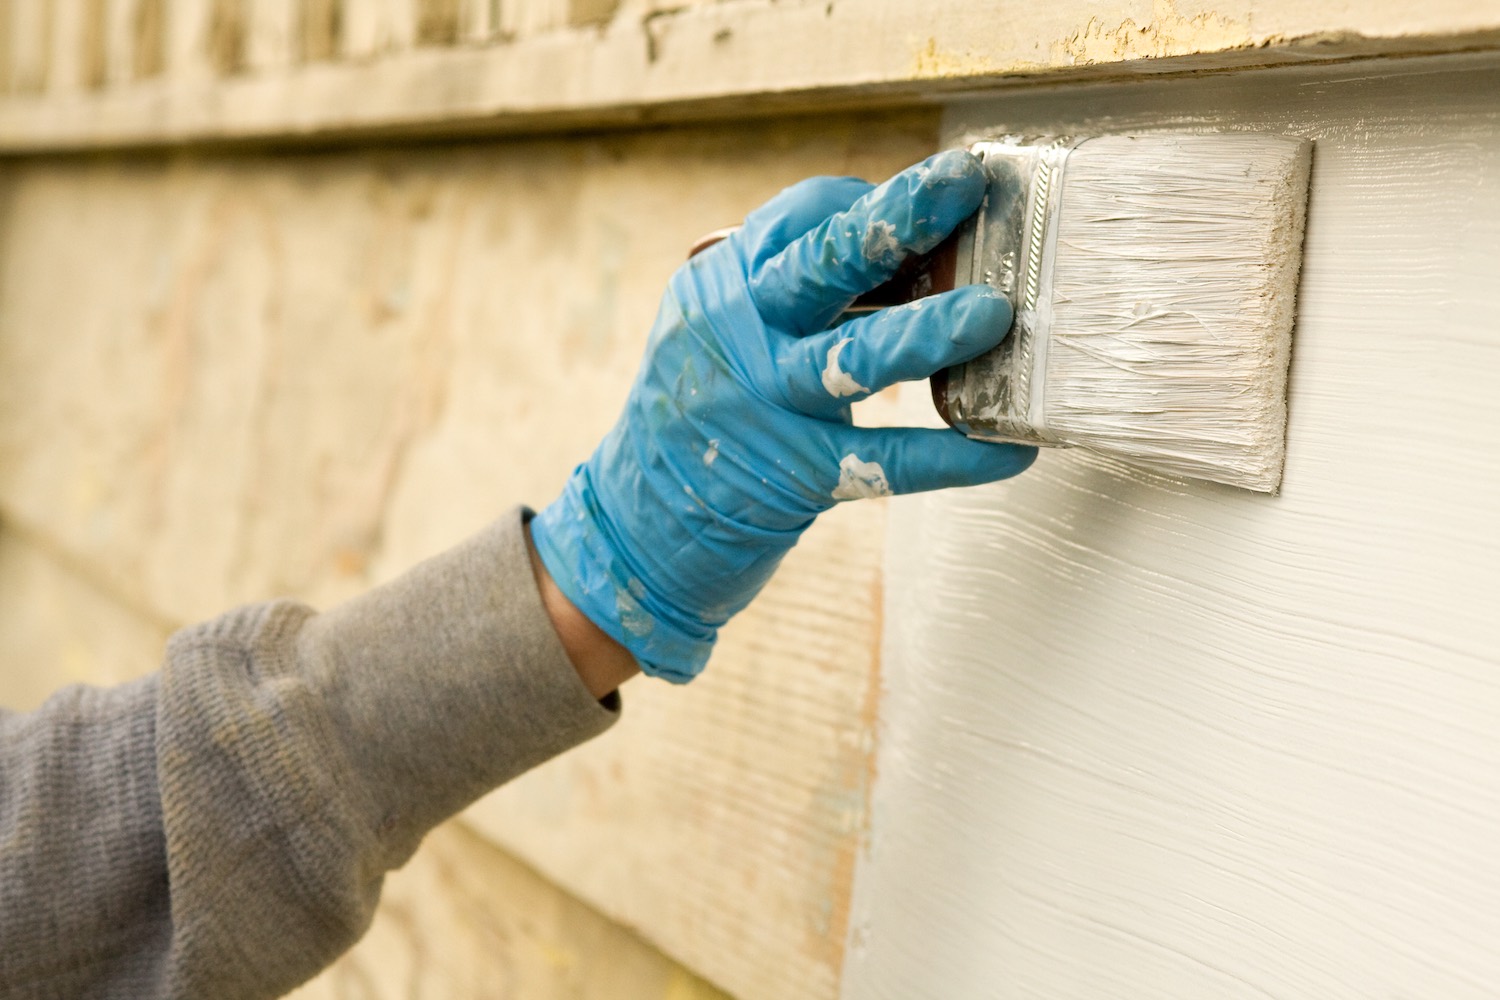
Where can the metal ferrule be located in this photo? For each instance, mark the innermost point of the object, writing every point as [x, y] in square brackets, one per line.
[1009, 245]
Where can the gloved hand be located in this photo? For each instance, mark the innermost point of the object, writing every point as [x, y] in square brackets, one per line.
[737, 431]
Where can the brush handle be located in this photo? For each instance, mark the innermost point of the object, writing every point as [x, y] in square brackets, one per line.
[918, 276]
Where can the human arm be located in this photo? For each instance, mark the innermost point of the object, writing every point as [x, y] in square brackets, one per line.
[602, 663]
[737, 432]
[221, 828]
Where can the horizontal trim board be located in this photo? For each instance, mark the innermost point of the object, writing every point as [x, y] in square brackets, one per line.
[727, 59]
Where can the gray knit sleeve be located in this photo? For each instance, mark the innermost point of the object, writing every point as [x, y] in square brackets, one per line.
[221, 829]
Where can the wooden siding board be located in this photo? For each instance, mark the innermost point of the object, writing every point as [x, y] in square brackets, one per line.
[226, 377]
[447, 66]
[1145, 736]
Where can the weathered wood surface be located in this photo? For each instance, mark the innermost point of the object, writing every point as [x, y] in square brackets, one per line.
[462, 921]
[229, 377]
[60, 624]
[80, 73]
[1152, 738]
[726, 818]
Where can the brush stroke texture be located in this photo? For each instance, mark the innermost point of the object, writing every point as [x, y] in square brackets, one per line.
[1151, 738]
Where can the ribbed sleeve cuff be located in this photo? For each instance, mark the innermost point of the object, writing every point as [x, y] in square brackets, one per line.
[300, 756]
[450, 680]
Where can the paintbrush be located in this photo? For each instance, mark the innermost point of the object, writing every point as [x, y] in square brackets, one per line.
[1154, 280]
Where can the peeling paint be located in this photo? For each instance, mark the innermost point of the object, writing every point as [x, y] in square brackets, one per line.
[724, 58]
[1167, 33]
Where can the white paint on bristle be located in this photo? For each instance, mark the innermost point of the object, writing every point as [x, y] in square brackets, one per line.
[1173, 298]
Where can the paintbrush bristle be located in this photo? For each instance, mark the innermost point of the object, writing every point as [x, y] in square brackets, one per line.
[1172, 301]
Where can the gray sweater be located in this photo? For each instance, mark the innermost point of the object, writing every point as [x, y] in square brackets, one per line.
[221, 829]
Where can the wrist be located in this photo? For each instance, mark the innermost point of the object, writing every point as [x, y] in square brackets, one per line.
[603, 575]
[602, 663]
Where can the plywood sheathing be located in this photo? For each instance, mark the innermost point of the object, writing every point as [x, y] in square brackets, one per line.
[230, 377]
[461, 921]
[464, 921]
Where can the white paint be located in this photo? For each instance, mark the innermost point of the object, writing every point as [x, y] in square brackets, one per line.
[1149, 738]
[1171, 302]
[880, 243]
[633, 618]
[836, 381]
[860, 480]
[711, 452]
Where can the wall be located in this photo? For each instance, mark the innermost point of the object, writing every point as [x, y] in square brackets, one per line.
[230, 369]
[464, 921]
[108, 73]
[228, 376]
[1146, 737]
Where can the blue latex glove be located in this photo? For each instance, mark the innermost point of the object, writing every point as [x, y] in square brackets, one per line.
[737, 431]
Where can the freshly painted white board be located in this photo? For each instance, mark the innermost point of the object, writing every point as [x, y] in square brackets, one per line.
[1152, 738]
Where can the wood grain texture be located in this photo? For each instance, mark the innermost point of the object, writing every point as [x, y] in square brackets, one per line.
[29, 29]
[227, 377]
[446, 66]
[731, 812]
[1144, 737]
[60, 624]
[462, 921]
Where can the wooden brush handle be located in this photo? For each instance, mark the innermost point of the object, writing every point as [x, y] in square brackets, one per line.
[918, 276]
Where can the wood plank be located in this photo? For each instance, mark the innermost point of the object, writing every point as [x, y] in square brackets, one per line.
[61, 623]
[142, 53]
[697, 60]
[440, 22]
[377, 29]
[724, 818]
[230, 377]
[117, 36]
[185, 49]
[1147, 737]
[480, 22]
[463, 921]
[30, 31]
[226, 41]
[271, 35]
[77, 41]
[320, 30]
[7, 18]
